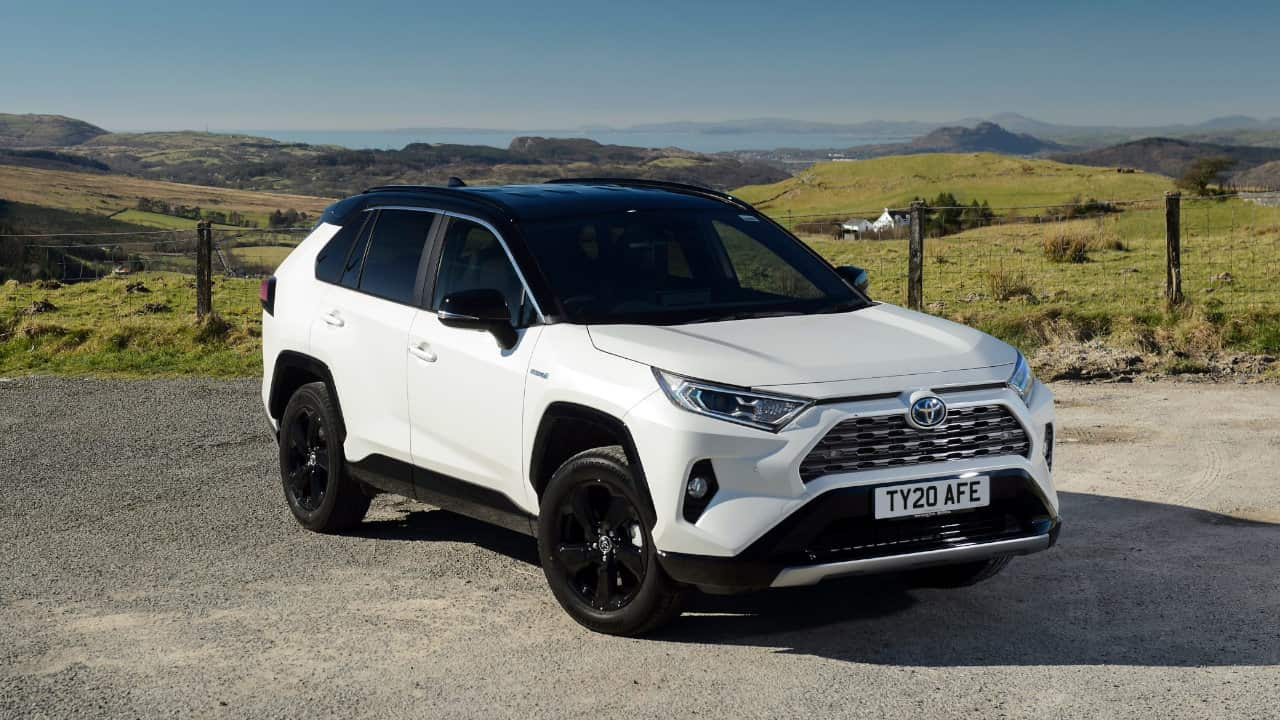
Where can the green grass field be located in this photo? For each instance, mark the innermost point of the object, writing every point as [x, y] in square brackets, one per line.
[868, 186]
[100, 329]
[996, 278]
[264, 256]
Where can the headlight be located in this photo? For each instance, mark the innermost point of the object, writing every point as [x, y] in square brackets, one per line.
[1021, 381]
[745, 407]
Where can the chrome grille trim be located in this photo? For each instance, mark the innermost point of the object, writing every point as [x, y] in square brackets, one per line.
[878, 441]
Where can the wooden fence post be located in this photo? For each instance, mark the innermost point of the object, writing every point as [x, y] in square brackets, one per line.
[204, 268]
[915, 258]
[1173, 248]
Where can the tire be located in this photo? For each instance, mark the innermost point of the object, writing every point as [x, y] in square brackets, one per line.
[958, 576]
[321, 494]
[597, 551]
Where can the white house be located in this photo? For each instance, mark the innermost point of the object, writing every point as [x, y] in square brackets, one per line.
[889, 221]
[854, 228]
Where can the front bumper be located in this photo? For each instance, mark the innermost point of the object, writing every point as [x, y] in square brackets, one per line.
[836, 535]
[764, 517]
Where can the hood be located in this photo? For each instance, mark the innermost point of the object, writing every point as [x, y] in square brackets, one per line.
[876, 342]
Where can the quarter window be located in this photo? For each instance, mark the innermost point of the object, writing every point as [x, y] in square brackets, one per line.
[332, 259]
[355, 259]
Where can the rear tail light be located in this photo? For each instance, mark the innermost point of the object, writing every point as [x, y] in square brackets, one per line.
[267, 294]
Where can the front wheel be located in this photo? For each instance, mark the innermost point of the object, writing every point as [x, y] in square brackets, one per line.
[596, 550]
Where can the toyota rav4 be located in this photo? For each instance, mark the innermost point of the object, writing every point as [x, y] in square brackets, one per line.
[663, 386]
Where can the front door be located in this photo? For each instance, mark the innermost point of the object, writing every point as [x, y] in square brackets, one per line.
[466, 393]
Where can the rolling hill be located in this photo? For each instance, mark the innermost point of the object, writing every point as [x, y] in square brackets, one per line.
[262, 164]
[29, 131]
[257, 163]
[1169, 156]
[983, 137]
[866, 186]
[103, 194]
[1263, 176]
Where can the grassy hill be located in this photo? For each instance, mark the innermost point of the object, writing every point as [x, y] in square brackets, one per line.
[103, 194]
[866, 186]
[26, 131]
[1169, 156]
[174, 155]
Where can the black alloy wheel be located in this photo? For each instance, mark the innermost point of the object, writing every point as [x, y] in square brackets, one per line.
[596, 546]
[601, 546]
[307, 461]
[320, 491]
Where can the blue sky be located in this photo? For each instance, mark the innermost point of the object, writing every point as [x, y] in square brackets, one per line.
[230, 64]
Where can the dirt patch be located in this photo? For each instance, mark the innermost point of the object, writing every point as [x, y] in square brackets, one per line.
[1099, 434]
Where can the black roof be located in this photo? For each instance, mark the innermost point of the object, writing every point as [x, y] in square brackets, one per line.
[561, 198]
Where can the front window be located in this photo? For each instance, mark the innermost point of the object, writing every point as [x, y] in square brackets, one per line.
[679, 266]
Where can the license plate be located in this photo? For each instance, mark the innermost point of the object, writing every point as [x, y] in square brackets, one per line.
[936, 496]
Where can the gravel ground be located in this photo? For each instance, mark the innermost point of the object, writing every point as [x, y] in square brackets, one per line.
[150, 568]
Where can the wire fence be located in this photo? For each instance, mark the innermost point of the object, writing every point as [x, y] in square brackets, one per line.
[138, 276]
[1090, 254]
[1087, 256]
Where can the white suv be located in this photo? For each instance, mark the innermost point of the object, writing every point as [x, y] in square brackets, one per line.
[663, 386]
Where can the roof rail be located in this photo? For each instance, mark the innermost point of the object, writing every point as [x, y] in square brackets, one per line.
[656, 184]
[451, 191]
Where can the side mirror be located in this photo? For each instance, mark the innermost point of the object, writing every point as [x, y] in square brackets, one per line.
[855, 276]
[482, 309]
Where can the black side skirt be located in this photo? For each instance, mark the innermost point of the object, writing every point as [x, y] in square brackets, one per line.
[443, 491]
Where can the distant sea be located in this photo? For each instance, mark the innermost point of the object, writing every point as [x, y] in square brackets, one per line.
[695, 141]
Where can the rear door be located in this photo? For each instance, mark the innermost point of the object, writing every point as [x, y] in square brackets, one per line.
[362, 330]
[466, 393]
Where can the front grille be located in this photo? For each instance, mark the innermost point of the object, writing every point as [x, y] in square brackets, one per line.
[888, 441]
[859, 538]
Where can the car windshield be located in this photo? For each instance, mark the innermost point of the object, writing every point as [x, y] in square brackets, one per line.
[682, 266]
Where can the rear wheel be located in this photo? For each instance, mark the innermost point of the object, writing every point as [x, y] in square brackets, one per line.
[956, 576]
[320, 493]
[596, 550]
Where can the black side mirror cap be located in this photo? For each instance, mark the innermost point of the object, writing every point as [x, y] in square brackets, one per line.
[480, 309]
[855, 276]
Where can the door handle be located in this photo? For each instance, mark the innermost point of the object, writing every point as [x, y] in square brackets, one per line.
[422, 351]
[333, 318]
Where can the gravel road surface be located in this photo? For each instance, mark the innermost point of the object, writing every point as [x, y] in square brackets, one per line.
[150, 568]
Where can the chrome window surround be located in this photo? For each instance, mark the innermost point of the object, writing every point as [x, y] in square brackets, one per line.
[486, 225]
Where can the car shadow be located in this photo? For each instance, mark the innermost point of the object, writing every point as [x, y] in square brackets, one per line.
[444, 526]
[1129, 583]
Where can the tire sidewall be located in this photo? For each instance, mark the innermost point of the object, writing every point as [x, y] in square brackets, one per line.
[648, 600]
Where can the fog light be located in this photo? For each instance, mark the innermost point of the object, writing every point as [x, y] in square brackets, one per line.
[697, 487]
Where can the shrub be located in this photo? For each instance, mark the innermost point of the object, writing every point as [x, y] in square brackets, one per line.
[1007, 284]
[1066, 245]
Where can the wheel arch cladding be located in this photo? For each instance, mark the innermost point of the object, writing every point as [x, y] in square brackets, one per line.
[292, 371]
[567, 429]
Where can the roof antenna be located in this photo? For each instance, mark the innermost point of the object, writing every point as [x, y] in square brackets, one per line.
[456, 182]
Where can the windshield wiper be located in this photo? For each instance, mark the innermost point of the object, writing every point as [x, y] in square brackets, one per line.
[741, 315]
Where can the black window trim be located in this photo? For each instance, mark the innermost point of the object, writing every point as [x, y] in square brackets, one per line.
[369, 216]
[433, 253]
